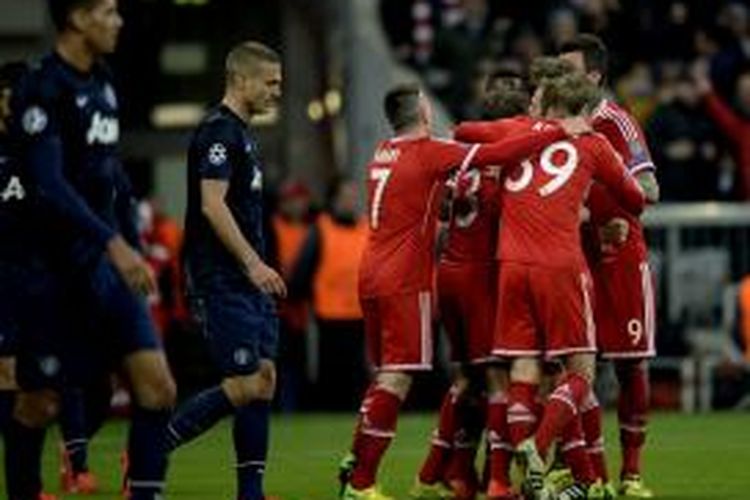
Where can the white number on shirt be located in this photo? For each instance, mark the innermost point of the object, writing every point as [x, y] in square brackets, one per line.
[560, 173]
[381, 176]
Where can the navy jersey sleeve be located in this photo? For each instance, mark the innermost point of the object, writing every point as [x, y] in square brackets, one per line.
[216, 149]
[126, 208]
[38, 127]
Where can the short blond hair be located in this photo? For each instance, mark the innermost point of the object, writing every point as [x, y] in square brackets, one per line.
[572, 93]
[244, 58]
[543, 68]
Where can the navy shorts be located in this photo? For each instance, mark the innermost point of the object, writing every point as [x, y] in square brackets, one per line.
[33, 323]
[110, 321]
[241, 328]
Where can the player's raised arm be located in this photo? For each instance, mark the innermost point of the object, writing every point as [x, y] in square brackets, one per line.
[612, 173]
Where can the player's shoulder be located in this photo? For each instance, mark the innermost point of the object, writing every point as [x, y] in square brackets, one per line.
[42, 81]
[609, 112]
[219, 125]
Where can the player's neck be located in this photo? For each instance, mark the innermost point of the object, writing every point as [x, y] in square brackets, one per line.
[73, 50]
[235, 105]
[415, 132]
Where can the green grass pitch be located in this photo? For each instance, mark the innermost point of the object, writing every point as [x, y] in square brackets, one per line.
[688, 457]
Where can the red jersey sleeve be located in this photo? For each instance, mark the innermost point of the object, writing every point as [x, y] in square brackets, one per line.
[610, 171]
[722, 114]
[515, 148]
[625, 135]
[480, 131]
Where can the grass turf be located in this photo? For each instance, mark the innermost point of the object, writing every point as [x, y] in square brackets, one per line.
[688, 457]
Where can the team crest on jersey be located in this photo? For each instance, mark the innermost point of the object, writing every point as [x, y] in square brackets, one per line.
[242, 356]
[217, 154]
[110, 96]
[49, 365]
[34, 120]
[103, 129]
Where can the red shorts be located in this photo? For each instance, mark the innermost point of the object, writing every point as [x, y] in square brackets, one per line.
[467, 300]
[543, 312]
[399, 331]
[625, 310]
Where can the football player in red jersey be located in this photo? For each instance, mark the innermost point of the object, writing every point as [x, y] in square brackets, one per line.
[545, 308]
[405, 182]
[625, 307]
[466, 305]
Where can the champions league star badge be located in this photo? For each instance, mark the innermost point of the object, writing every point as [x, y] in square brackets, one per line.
[217, 154]
[34, 120]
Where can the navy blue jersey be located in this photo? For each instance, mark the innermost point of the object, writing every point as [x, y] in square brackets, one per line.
[15, 203]
[223, 148]
[67, 126]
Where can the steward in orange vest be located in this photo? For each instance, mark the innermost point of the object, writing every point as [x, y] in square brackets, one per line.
[328, 271]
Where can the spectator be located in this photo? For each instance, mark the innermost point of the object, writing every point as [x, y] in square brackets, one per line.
[734, 123]
[291, 224]
[685, 145]
[328, 271]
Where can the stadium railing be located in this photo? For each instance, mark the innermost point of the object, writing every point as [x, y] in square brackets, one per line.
[699, 252]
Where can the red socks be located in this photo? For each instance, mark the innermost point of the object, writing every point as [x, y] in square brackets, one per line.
[376, 429]
[573, 447]
[591, 420]
[434, 466]
[561, 408]
[501, 451]
[521, 416]
[632, 411]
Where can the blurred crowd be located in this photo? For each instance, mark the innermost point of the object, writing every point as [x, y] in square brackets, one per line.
[681, 66]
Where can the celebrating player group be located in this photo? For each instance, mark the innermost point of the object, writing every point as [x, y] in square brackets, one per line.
[543, 268]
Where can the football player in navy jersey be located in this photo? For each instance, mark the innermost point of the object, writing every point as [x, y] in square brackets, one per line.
[68, 129]
[230, 284]
[26, 286]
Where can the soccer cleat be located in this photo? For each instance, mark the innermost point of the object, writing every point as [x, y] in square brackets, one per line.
[463, 489]
[423, 491]
[500, 491]
[47, 496]
[558, 479]
[84, 483]
[633, 487]
[533, 468]
[371, 493]
[346, 466]
[124, 470]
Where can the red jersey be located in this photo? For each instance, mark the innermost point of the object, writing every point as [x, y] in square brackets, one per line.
[476, 237]
[544, 195]
[627, 138]
[404, 184]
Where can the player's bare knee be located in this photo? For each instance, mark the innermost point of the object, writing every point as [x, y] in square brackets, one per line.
[242, 390]
[268, 380]
[498, 378]
[156, 393]
[37, 409]
[526, 370]
[397, 383]
[582, 364]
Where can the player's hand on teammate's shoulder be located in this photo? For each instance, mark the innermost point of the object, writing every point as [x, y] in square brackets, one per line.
[575, 126]
[265, 278]
[131, 266]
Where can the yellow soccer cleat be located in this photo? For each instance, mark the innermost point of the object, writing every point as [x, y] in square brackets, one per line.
[633, 487]
[423, 491]
[371, 493]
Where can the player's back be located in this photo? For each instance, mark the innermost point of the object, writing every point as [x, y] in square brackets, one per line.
[404, 188]
[542, 201]
[473, 229]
